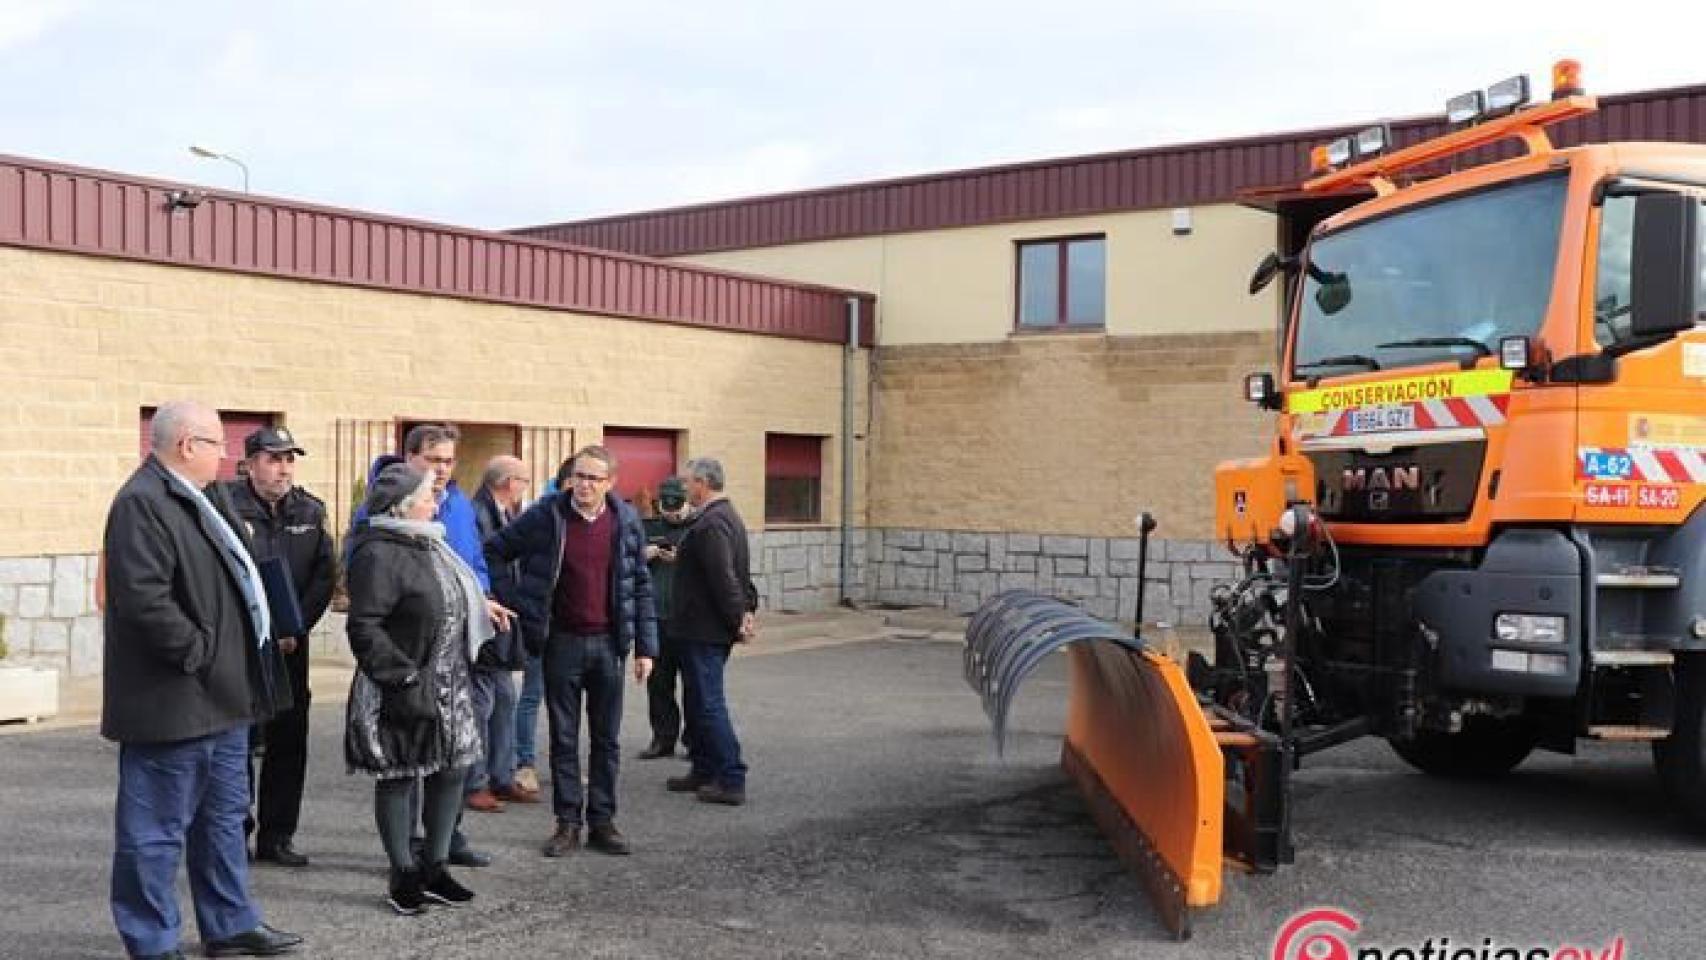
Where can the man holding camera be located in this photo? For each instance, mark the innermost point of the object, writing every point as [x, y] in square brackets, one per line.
[664, 534]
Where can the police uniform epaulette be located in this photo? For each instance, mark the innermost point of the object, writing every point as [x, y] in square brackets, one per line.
[313, 500]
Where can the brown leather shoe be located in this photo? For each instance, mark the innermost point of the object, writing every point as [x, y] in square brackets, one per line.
[717, 793]
[565, 841]
[484, 801]
[687, 784]
[605, 838]
[516, 793]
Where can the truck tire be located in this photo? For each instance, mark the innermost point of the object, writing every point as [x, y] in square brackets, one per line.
[1485, 747]
[1680, 760]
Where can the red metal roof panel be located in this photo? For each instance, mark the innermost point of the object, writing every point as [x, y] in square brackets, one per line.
[1178, 175]
[74, 210]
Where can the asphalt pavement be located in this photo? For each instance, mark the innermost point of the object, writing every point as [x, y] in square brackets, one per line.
[882, 824]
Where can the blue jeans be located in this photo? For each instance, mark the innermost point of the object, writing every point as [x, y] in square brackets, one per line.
[527, 712]
[583, 667]
[494, 711]
[188, 793]
[714, 750]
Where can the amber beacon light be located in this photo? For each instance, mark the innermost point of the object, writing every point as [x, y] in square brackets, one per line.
[1566, 79]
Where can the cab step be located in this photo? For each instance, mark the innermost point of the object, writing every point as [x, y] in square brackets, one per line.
[1640, 578]
[1633, 658]
[1627, 732]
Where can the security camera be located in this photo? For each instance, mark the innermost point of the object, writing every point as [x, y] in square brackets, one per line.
[184, 199]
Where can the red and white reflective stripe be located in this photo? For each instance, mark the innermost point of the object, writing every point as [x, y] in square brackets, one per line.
[1668, 464]
[1476, 411]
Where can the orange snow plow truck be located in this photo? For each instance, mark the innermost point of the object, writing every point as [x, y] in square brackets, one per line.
[1478, 530]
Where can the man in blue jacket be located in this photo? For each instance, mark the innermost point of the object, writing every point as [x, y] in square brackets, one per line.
[574, 565]
[431, 448]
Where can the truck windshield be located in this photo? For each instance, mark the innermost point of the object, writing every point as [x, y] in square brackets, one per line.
[1442, 281]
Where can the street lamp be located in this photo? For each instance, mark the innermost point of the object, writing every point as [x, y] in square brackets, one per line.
[216, 155]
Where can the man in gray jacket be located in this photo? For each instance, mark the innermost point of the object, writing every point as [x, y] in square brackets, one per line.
[190, 665]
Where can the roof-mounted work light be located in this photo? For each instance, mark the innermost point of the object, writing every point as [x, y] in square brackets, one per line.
[1465, 107]
[1507, 95]
[1373, 140]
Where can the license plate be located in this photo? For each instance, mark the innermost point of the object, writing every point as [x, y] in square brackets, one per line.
[1383, 419]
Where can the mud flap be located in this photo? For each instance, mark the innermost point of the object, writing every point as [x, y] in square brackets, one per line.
[1137, 743]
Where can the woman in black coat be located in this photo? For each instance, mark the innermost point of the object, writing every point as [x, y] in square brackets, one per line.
[417, 615]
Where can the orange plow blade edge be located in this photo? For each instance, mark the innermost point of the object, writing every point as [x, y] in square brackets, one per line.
[1147, 762]
[1142, 750]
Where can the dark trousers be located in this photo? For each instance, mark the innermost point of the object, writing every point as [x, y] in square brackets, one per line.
[188, 794]
[284, 760]
[494, 710]
[393, 811]
[580, 667]
[714, 750]
[661, 707]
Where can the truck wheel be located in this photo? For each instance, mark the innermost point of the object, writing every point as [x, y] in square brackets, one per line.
[1680, 761]
[1485, 747]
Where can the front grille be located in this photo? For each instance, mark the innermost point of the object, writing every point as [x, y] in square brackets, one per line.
[1432, 483]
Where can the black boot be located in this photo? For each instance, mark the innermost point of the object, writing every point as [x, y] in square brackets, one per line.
[443, 888]
[407, 895]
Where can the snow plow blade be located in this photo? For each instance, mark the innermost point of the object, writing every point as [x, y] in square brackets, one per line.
[1140, 747]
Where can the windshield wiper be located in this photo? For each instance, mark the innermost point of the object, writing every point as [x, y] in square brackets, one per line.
[1480, 348]
[1344, 360]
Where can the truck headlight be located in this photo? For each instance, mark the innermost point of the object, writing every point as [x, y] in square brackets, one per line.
[1529, 627]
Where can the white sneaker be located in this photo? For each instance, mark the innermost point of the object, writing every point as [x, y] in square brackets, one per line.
[527, 779]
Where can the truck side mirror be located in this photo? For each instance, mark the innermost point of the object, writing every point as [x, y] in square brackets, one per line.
[1265, 272]
[1664, 264]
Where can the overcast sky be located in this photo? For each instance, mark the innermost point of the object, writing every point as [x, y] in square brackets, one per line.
[496, 113]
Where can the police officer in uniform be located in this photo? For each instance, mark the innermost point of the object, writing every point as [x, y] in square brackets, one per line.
[284, 520]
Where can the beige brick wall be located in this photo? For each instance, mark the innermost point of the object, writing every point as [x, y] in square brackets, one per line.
[1062, 435]
[957, 286]
[85, 342]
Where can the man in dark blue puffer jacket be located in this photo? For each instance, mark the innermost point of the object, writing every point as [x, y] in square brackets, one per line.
[584, 598]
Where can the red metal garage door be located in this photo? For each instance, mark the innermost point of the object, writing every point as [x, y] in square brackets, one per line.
[643, 459]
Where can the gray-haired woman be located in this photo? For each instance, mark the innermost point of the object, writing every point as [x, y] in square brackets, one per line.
[417, 616]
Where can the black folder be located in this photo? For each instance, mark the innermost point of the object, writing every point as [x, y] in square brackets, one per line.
[285, 606]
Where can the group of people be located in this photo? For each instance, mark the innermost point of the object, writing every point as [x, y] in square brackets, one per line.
[211, 592]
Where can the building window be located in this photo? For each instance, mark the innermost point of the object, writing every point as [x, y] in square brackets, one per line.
[238, 425]
[1062, 282]
[793, 478]
[643, 459]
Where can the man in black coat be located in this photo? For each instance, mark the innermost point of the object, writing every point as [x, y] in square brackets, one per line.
[189, 667]
[713, 607]
[584, 598]
[285, 521]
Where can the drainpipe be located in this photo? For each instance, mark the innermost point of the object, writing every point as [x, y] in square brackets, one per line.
[849, 358]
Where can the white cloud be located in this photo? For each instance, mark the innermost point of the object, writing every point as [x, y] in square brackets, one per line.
[25, 21]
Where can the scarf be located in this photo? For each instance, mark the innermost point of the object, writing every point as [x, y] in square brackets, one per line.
[236, 559]
[477, 628]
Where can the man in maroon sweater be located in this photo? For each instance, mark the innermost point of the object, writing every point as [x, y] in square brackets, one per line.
[581, 588]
